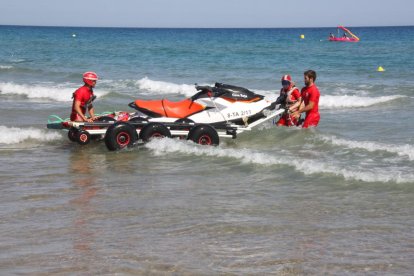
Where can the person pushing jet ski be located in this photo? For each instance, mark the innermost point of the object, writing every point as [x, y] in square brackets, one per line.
[290, 98]
[82, 99]
[310, 95]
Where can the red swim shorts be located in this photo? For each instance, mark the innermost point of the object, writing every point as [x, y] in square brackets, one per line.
[311, 120]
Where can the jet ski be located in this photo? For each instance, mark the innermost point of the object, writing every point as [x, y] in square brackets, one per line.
[221, 110]
[217, 105]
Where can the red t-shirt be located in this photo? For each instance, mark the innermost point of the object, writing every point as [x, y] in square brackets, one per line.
[311, 94]
[83, 94]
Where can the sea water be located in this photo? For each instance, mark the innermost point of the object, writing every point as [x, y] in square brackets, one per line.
[337, 199]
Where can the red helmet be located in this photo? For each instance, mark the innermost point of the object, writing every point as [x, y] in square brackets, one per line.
[286, 80]
[89, 77]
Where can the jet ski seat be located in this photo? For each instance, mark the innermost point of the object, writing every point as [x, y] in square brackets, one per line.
[181, 109]
[166, 108]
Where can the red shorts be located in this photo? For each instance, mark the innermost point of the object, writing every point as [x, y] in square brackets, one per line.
[311, 120]
[75, 117]
[287, 120]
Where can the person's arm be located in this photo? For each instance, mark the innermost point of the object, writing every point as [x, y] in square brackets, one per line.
[298, 98]
[79, 111]
[305, 109]
[281, 99]
[295, 105]
[91, 112]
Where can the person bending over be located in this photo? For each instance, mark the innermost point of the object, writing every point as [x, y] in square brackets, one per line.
[82, 99]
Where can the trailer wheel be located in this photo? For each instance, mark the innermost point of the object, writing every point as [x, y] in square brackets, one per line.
[204, 135]
[154, 130]
[120, 135]
[72, 134]
[83, 137]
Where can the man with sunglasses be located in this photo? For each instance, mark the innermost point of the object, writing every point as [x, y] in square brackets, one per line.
[82, 99]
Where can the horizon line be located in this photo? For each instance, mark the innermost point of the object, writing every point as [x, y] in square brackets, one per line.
[131, 27]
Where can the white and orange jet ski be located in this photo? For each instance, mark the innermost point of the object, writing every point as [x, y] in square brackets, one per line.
[220, 111]
[218, 105]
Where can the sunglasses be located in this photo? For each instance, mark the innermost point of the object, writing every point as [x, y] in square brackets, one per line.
[285, 83]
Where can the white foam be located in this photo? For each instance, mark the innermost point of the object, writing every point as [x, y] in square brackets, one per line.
[18, 60]
[401, 150]
[326, 101]
[45, 91]
[5, 67]
[305, 166]
[346, 101]
[342, 101]
[161, 87]
[270, 95]
[15, 135]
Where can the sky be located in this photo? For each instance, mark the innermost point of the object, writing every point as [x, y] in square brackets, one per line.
[207, 13]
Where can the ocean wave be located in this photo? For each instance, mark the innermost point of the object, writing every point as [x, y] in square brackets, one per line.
[250, 156]
[345, 101]
[400, 150]
[161, 87]
[326, 101]
[5, 67]
[20, 60]
[15, 135]
[46, 91]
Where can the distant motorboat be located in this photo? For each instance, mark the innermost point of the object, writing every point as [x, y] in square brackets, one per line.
[348, 36]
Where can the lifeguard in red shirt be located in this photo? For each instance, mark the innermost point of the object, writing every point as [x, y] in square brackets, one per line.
[310, 95]
[82, 99]
[291, 99]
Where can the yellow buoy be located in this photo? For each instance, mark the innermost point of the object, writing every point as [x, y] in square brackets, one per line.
[380, 69]
[302, 36]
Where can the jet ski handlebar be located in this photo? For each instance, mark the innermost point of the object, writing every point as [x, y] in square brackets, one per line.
[201, 91]
[203, 88]
[132, 105]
